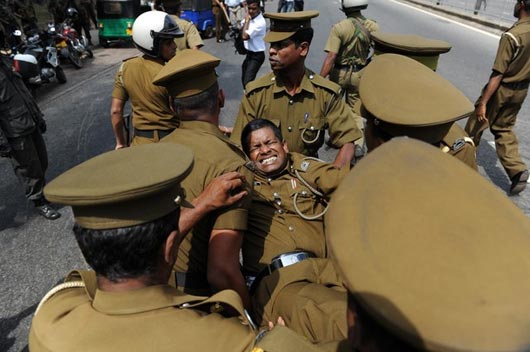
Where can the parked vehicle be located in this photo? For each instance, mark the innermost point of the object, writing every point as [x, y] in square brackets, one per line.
[199, 12]
[72, 46]
[116, 18]
[37, 61]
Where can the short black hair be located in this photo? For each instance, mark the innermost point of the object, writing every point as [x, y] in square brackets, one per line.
[127, 252]
[254, 125]
[252, 2]
[205, 101]
[302, 35]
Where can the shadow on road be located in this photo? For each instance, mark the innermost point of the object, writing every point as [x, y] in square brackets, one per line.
[9, 324]
[487, 158]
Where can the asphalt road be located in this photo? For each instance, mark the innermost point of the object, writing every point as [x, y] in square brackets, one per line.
[36, 253]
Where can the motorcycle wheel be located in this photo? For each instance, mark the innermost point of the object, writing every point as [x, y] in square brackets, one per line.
[59, 73]
[74, 57]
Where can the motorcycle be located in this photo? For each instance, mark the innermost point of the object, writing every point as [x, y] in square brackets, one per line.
[37, 61]
[70, 44]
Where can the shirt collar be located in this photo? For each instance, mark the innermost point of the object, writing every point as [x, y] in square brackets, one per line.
[137, 301]
[304, 85]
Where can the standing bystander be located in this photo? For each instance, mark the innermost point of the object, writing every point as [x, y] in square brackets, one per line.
[254, 29]
[21, 128]
[235, 12]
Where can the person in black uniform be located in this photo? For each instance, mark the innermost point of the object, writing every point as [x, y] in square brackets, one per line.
[21, 128]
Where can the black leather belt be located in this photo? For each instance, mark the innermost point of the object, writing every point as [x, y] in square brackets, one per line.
[517, 85]
[151, 133]
[353, 67]
[278, 262]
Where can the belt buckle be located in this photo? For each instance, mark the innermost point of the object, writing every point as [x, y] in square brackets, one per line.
[290, 259]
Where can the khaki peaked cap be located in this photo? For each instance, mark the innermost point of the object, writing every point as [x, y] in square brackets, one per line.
[188, 73]
[432, 250]
[421, 49]
[404, 97]
[285, 25]
[126, 187]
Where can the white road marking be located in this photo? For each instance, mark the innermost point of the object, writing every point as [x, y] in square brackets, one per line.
[496, 36]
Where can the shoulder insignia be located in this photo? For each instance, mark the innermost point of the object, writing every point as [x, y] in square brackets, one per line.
[304, 165]
[516, 42]
[61, 287]
[263, 81]
[320, 81]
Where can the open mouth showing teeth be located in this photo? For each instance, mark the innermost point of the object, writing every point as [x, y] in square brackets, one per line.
[268, 160]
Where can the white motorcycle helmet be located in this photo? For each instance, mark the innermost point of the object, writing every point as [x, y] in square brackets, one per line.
[354, 5]
[150, 27]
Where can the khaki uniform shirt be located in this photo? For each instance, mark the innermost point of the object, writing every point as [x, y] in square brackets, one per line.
[302, 118]
[350, 40]
[274, 226]
[155, 318]
[191, 37]
[150, 103]
[214, 155]
[513, 54]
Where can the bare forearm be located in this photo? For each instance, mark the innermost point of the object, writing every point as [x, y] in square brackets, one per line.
[344, 155]
[493, 84]
[233, 280]
[328, 64]
[116, 117]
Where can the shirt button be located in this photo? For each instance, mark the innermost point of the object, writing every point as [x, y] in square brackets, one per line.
[291, 228]
[291, 102]
[311, 76]
[289, 128]
[279, 211]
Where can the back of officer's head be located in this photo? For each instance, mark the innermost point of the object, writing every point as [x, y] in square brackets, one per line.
[126, 203]
[191, 81]
[431, 253]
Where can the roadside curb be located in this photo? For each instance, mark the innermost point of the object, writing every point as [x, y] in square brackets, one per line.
[438, 8]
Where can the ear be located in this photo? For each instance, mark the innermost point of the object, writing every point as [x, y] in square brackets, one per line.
[221, 98]
[304, 48]
[171, 247]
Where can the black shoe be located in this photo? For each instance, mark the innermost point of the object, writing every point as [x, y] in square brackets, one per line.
[48, 212]
[519, 182]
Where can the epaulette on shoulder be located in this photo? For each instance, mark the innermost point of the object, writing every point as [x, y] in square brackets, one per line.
[130, 58]
[264, 81]
[320, 81]
[58, 288]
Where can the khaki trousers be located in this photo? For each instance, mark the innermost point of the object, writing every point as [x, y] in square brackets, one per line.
[310, 298]
[349, 80]
[501, 112]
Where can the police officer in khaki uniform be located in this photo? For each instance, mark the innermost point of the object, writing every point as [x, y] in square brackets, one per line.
[303, 104]
[129, 230]
[401, 97]
[191, 39]
[503, 95]
[348, 50]
[152, 117]
[208, 259]
[284, 249]
[423, 262]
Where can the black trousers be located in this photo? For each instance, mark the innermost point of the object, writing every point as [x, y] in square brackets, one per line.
[30, 161]
[251, 66]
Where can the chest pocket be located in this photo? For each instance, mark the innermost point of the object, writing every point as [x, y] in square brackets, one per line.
[312, 130]
[307, 202]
